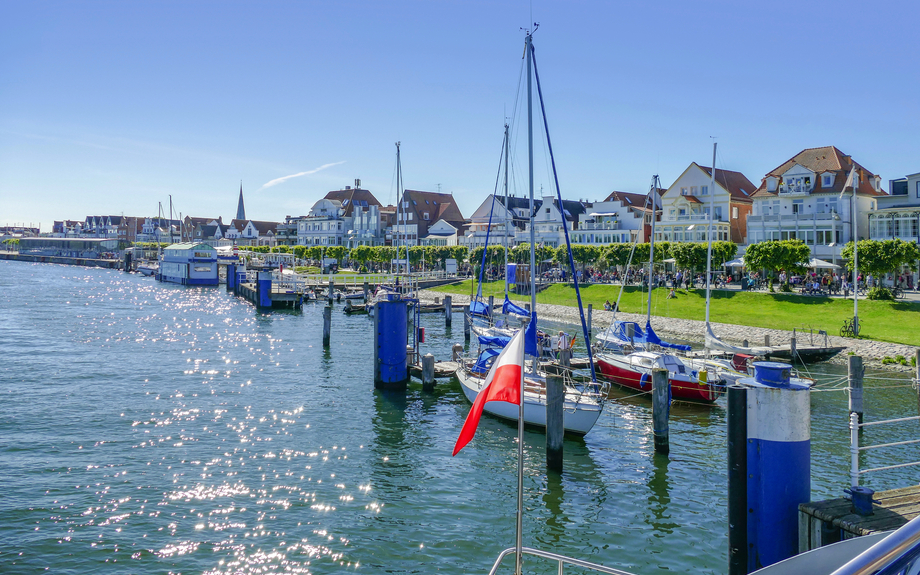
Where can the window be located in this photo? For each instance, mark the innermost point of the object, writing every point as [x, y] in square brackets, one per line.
[684, 192]
[719, 213]
[704, 190]
[797, 206]
[426, 216]
[827, 181]
[547, 210]
[734, 212]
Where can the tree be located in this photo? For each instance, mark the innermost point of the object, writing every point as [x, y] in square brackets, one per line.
[337, 252]
[615, 255]
[787, 255]
[880, 257]
[361, 254]
[689, 255]
[723, 251]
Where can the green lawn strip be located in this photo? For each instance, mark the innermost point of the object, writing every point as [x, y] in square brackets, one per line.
[880, 320]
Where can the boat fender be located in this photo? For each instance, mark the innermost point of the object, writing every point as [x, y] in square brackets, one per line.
[643, 380]
[421, 335]
[704, 377]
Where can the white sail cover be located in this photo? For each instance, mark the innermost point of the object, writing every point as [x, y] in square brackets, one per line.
[712, 342]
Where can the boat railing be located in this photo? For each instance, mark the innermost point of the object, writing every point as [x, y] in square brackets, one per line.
[561, 560]
[856, 448]
[892, 555]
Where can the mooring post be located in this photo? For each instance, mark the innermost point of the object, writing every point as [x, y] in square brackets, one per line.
[631, 332]
[491, 304]
[555, 430]
[448, 311]
[590, 314]
[660, 409]
[855, 378]
[390, 337]
[367, 291]
[737, 481]
[428, 372]
[331, 289]
[792, 352]
[766, 340]
[456, 352]
[327, 324]
[410, 357]
[744, 343]
[437, 300]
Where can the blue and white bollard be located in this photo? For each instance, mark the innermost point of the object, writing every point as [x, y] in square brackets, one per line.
[264, 289]
[391, 333]
[777, 454]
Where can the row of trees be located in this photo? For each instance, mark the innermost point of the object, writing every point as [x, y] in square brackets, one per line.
[686, 255]
[875, 257]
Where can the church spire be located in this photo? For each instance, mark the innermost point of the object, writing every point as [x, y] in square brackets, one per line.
[240, 209]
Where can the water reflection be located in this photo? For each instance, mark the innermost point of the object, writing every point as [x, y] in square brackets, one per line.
[659, 496]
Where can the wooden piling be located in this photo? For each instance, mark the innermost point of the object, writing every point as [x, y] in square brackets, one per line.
[630, 332]
[428, 372]
[766, 340]
[555, 399]
[744, 343]
[331, 289]
[448, 310]
[327, 325]
[855, 378]
[367, 291]
[660, 410]
[491, 304]
[792, 352]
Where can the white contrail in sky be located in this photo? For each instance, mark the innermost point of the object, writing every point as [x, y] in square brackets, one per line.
[297, 175]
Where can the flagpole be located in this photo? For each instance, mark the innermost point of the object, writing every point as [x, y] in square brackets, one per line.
[519, 540]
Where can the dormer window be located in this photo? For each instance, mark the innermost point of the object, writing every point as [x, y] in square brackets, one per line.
[771, 184]
[827, 180]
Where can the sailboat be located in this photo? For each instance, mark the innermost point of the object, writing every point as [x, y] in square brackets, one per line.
[634, 370]
[583, 401]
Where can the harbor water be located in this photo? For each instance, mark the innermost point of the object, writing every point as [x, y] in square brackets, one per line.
[155, 428]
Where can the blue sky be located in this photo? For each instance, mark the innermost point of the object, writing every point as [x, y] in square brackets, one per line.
[110, 107]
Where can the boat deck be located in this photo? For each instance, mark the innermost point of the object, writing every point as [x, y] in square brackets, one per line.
[442, 369]
[825, 522]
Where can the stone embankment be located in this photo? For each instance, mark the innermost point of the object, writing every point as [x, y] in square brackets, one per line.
[872, 352]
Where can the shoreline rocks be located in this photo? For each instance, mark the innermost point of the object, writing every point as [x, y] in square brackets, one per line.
[872, 352]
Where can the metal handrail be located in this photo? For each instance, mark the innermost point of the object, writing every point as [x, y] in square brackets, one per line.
[855, 448]
[885, 552]
[562, 559]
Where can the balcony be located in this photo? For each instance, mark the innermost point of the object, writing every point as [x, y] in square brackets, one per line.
[696, 218]
[600, 226]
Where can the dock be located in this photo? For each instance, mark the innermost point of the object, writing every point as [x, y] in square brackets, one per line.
[825, 522]
[442, 369]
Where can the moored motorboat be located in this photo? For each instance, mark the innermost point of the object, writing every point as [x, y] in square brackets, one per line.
[634, 371]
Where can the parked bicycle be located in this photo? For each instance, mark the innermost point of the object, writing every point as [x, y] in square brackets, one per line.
[848, 329]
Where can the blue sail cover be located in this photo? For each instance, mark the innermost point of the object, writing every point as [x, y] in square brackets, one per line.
[530, 337]
[652, 337]
[509, 307]
[479, 308]
[495, 341]
[511, 274]
[481, 366]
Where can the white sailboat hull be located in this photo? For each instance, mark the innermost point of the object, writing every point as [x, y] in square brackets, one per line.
[580, 412]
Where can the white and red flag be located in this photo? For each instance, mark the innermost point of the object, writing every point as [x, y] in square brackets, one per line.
[503, 383]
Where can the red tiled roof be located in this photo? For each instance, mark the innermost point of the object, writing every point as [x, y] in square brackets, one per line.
[821, 160]
[739, 187]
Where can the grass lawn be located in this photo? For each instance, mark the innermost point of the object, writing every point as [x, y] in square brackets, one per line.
[894, 322]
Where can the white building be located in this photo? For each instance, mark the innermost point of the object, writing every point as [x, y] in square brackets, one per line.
[685, 206]
[324, 225]
[504, 224]
[800, 199]
[442, 233]
[547, 222]
[897, 215]
[621, 218]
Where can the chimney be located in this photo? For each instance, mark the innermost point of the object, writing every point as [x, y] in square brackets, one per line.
[357, 183]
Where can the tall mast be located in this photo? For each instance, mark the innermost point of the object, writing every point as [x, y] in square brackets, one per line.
[400, 221]
[712, 200]
[533, 236]
[855, 229]
[651, 245]
[505, 234]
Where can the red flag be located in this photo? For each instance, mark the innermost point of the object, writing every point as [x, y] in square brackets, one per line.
[503, 383]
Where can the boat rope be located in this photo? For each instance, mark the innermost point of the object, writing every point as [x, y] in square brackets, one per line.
[565, 227]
